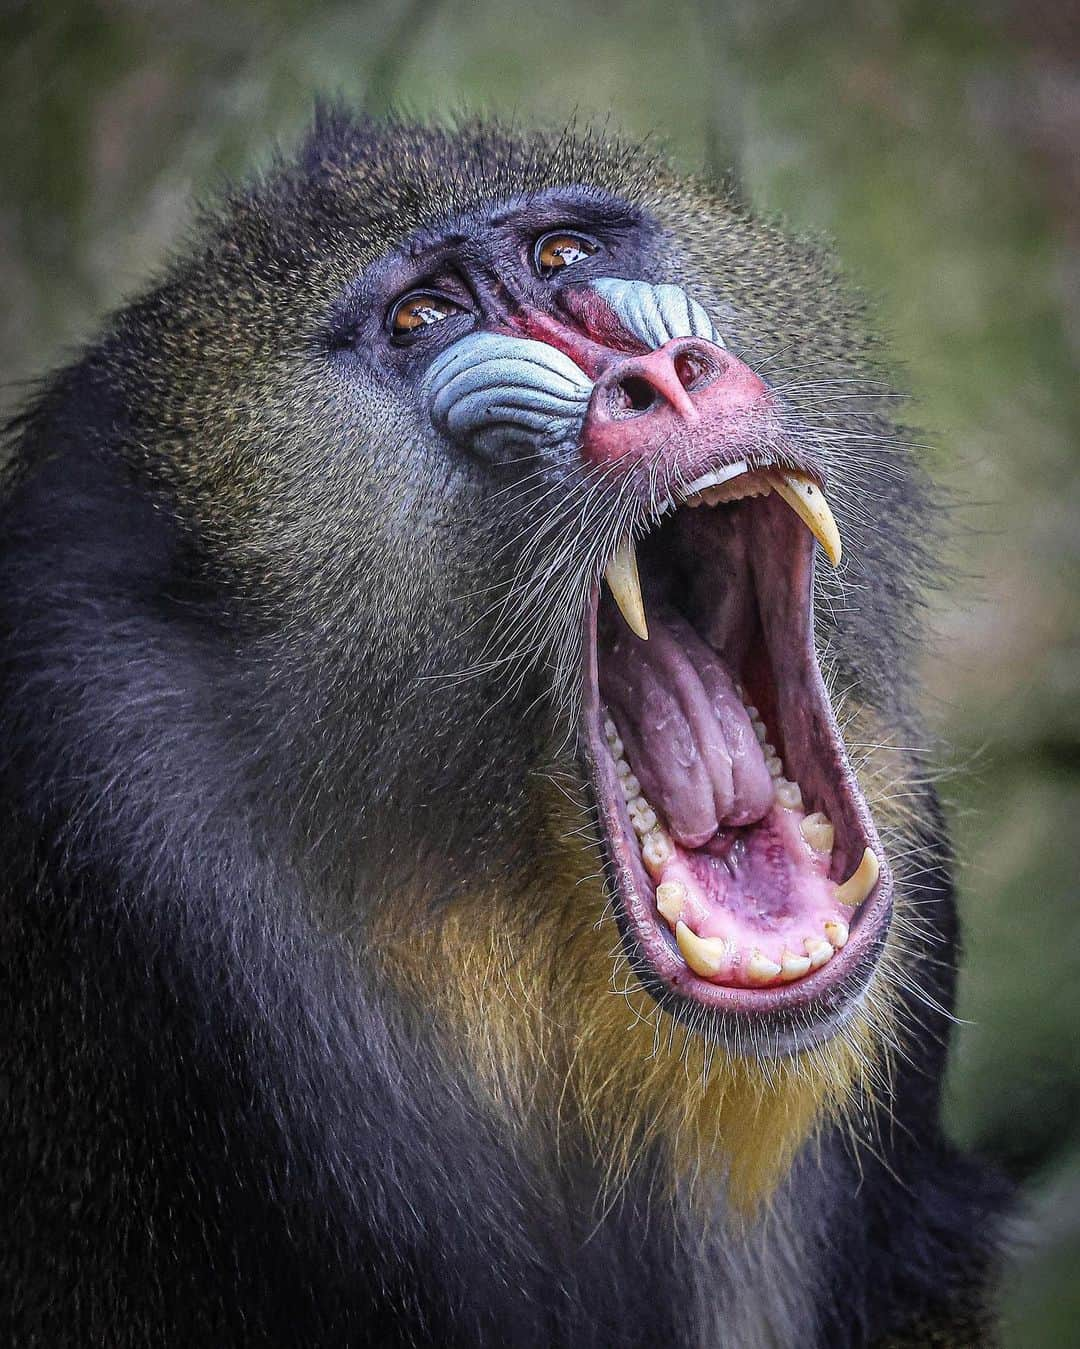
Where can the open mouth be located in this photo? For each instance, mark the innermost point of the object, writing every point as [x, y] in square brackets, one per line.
[748, 876]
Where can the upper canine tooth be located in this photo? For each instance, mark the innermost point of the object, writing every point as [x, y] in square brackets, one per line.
[861, 881]
[807, 500]
[621, 574]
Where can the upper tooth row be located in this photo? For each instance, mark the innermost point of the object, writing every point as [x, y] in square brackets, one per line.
[800, 492]
[712, 488]
[713, 496]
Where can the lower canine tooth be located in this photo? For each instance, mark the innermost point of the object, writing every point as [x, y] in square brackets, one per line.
[760, 969]
[818, 831]
[819, 951]
[862, 880]
[656, 852]
[793, 966]
[837, 934]
[670, 898]
[706, 956]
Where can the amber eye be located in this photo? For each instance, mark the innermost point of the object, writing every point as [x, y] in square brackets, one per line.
[420, 310]
[558, 250]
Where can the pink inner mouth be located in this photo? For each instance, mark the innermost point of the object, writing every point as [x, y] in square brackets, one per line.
[737, 815]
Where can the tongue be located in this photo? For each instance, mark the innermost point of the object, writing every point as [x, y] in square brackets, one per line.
[686, 731]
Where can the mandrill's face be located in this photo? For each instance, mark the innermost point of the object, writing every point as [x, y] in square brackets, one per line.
[663, 509]
[559, 475]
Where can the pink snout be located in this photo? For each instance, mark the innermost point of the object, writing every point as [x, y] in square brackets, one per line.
[647, 405]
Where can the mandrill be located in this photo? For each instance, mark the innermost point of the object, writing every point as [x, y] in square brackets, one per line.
[469, 876]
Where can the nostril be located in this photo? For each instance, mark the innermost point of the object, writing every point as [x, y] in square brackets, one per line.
[634, 394]
[692, 371]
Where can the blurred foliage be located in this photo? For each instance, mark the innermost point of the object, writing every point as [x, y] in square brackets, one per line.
[934, 143]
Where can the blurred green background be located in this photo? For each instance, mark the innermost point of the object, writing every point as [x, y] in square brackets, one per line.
[936, 144]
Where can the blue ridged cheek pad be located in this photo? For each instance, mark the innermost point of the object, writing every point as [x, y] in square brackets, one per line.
[656, 314]
[499, 393]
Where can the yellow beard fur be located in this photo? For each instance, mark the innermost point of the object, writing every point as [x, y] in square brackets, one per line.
[533, 991]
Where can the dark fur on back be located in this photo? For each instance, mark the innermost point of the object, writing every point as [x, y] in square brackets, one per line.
[221, 748]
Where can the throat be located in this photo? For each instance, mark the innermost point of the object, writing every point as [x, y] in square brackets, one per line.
[555, 1055]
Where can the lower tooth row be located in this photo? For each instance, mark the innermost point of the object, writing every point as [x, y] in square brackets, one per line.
[656, 848]
[708, 956]
[711, 956]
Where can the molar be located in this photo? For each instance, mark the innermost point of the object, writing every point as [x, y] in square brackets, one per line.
[656, 853]
[670, 898]
[789, 794]
[644, 822]
[818, 831]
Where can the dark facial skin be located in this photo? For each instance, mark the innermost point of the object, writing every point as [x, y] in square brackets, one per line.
[485, 265]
